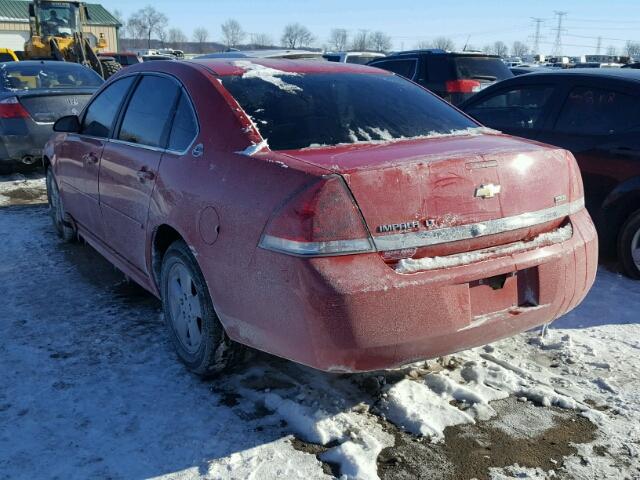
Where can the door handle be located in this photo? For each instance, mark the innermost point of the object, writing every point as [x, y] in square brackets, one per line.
[90, 158]
[144, 175]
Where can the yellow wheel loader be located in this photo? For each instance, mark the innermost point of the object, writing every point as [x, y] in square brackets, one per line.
[56, 34]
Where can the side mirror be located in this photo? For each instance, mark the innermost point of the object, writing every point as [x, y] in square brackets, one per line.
[68, 124]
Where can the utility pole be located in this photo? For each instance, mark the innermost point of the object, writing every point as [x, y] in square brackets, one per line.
[537, 37]
[557, 44]
[599, 46]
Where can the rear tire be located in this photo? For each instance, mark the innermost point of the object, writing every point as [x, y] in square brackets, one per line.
[194, 328]
[62, 222]
[109, 68]
[629, 245]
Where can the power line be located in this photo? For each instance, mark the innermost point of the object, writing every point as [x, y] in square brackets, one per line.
[557, 46]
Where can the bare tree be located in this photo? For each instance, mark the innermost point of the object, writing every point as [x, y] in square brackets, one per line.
[612, 51]
[149, 20]
[200, 36]
[232, 33]
[519, 49]
[500, 49]
[380, 41]
[423, 45]
[444, 43]
[176, 38]
[632, 48]
[338, 39]
[361, 41]
[136, 31]
[296, 35]
[488, 49]
[261, 40]
[162, 36]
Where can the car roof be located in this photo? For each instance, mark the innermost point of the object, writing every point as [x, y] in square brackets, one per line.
[439, 51]
[33, 63]
[235, 66]
[268, 53]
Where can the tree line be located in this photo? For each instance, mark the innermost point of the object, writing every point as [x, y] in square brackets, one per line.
[148, 27]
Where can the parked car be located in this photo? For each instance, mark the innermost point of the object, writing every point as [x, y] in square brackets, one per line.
[523, 70]
[33, 95]
[454, 76]
[352, 57]
[156, 57]
[594, 114]
[8, 55]
[635, 65]
[125, 59]
[329, 213]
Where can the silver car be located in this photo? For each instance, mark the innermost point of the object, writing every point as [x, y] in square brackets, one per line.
[33, 95]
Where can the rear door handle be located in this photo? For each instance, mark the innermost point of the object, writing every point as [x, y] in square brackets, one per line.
[90, 158]
[144, 175]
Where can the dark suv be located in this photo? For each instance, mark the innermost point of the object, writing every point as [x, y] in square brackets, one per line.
[592, 112]
[453, 76]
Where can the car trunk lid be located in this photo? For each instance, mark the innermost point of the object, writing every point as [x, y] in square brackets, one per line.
[47, 106]
[452, 194]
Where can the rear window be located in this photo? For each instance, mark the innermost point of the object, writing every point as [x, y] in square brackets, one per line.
[60, 75]
[305, 110]
[405, 68]
[481, 68]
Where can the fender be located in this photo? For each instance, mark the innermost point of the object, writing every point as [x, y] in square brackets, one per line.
[616, 207]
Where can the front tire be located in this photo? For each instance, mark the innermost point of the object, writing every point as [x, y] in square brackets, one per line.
[61, 220]
[109, 68]
[195, 330]
[629, 245]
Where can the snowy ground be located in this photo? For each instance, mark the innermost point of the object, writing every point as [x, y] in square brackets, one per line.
[89, 388]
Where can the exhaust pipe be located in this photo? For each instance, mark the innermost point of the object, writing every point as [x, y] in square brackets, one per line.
[29, 160]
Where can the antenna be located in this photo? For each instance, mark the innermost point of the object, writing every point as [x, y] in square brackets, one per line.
[466, 43]
[537, 37]
[557, 44]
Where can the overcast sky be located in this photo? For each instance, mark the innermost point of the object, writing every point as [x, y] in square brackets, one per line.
[409, 22]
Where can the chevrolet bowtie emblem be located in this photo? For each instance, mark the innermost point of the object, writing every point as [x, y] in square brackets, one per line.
[488, 191]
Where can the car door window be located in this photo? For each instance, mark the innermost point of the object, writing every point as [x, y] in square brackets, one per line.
[148, 116]
[594, 111]
[405, 68]
[519, 107]
[101, 113]
[185, 127]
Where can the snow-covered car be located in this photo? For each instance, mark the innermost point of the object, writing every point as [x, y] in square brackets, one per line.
[333, 214]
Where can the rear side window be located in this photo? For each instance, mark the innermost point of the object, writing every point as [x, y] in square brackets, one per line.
[520, 107]
[481, 68]
[295, 110]
[184, 128]
[6, 57]
[593, 111]
[148, 115]
[332, 58]
[102, 112]
[405, 68]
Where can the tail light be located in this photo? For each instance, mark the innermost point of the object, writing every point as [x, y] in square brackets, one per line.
[321, 220]
[463, 86]
[11, 108]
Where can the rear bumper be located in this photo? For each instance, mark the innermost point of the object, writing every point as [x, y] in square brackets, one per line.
[356, 313]
[23, 138]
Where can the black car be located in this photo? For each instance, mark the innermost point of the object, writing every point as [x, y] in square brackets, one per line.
[594, 114]
[33, 95]
[453, 76]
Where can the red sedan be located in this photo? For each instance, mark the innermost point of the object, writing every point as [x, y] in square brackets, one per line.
[332, 214]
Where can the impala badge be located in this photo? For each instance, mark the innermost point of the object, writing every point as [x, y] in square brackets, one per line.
[488, 191]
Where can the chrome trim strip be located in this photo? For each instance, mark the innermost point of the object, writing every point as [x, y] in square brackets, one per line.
[315, 249]
[427, 238]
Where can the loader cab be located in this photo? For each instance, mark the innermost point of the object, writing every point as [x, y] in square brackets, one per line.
[56, 18]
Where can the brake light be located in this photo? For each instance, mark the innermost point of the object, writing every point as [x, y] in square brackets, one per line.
[11, 108]
[463, 86]
[321, 220]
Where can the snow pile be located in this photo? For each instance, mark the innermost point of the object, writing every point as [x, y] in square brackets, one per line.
[22, 189]
[419, 410]
[411, 265]
[269, 75]
[357, 458]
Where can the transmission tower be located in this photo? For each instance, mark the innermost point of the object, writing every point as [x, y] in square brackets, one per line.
[537, 37]
[599, 47]
[557, 44]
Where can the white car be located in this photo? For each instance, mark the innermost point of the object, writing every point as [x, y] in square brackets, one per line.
[352, 57]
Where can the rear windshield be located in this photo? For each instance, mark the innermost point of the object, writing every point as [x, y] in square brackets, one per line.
[307, 110]
[18, 76]
[481, 68]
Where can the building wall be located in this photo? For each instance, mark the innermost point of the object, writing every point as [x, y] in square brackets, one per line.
[10, 33]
